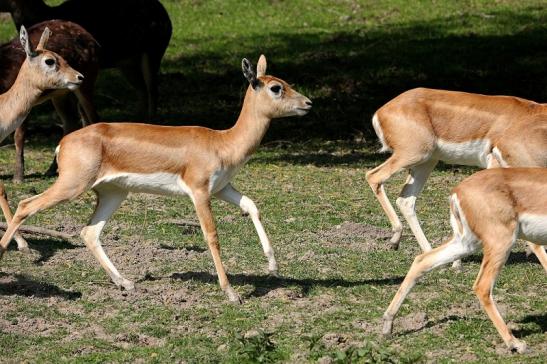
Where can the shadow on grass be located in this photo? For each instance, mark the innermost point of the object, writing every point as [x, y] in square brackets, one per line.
[266, 283]
[46, 247]
[537, 323]
[514, 258]
[25, 286]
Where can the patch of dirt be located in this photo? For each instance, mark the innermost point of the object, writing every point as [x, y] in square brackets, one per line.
[357, 236]
[338, 341]
[369, 327]
[412, 322]
[286, 294]
[30, 326]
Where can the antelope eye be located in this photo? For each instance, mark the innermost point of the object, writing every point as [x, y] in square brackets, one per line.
[275, 89]
[50, 61]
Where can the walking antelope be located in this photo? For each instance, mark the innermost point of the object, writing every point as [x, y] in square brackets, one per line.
[81, 51]
[492, 208]
[424, 126]
[41, 72]
[113, 159]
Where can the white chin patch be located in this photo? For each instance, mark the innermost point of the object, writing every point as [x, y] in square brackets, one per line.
[72, 86]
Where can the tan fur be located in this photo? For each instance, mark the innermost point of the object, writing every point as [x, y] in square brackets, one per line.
[491, 207]
[31, 83]
[95, 155]
[415, 124]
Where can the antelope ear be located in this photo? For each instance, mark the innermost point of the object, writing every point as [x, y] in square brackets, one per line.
[249, 73]
[43, 39]
[261, 66]
[25, 42]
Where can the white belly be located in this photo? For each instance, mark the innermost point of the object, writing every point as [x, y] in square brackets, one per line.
[472, 153]
[161, 183]
[533, 227]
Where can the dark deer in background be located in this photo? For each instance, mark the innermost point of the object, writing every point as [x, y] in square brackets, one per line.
[81, 51]
[133, 35]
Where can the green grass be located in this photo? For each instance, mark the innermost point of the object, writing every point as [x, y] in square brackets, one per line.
[350, 57]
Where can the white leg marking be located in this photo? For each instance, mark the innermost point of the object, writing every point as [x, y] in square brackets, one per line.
[407, 200]
[109, 199]
[499, 158]
[231, 195]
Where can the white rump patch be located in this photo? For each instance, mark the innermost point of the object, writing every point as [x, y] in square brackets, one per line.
[380, 134]
[160, 183]
[471, 153]
[533, 227]
[462, 233]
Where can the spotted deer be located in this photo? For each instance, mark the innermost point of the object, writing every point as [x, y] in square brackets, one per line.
[81, 51]
[133, 35]
[424, 126]
[113, 159]
[41, 72]
[490, 209]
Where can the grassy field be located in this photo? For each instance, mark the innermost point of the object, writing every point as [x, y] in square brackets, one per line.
[337, 274]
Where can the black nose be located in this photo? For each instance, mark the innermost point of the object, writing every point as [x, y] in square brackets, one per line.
[308, 103]
[80, 78]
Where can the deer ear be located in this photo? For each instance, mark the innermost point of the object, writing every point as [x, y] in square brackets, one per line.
[249, 73]
[43, 39]
[261, 66]
[25, 42]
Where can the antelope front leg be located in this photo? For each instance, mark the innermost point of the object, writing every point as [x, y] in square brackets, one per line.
[22, 244]
[233, 196]
[202, 202]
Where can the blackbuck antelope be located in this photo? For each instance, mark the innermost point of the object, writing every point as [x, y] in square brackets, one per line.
[114, 159]
[133, 35]
[81, 51]
[490, 209]
[41, 72]
[424, 126]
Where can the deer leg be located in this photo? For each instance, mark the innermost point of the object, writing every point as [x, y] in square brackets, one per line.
[407, 200]
[19, 139]
[150, 76]
[65, 109]
[231, 195]
[108, 201]
[22, 244]
[202, 203]
[85, 100]
[132, 70]
[446, 253]
[496, 252]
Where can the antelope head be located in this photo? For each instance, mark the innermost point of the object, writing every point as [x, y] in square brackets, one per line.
[274, 97]
[48, 69]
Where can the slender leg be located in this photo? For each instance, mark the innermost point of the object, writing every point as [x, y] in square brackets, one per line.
[407, 200]
[540, 253]
[150, 76]
[67, 187]
[109, 199]
[446, 253]
[19, 138]
[376, 178]
[202, 202]
[65, 108]
[22, 244]
[231, 195]
[496, 251]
